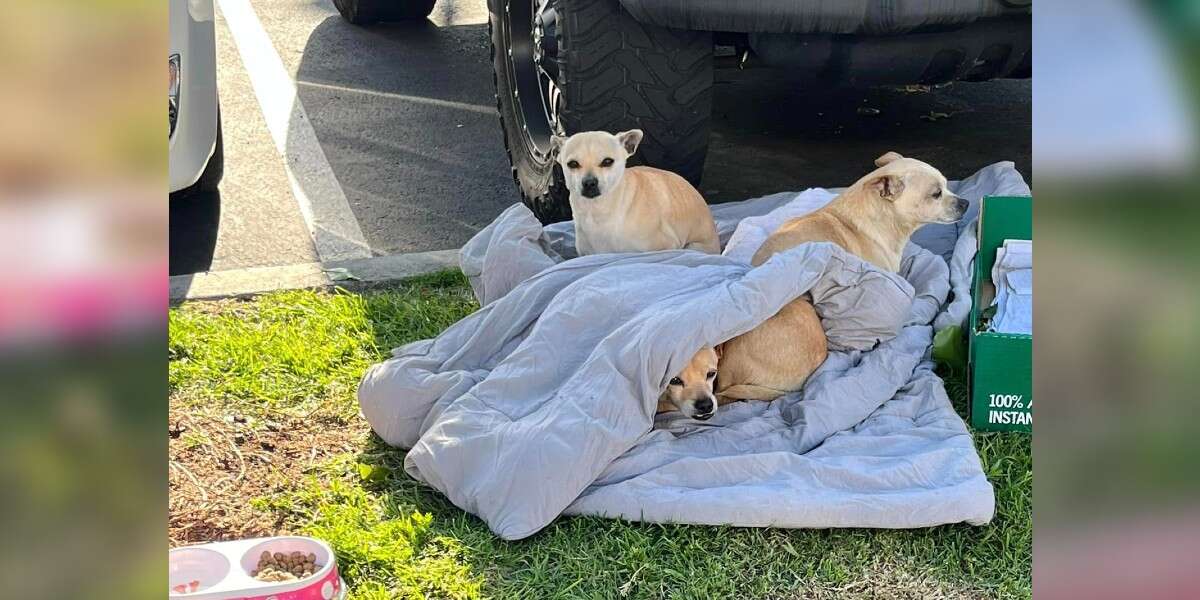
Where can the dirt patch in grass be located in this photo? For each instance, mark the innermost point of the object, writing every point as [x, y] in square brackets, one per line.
[220, 460]
[262, 393]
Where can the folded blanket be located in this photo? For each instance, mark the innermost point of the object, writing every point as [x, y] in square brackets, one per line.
[1012, 275]
[542, 402]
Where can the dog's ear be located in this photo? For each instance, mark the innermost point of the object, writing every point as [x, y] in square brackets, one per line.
[556, 144]
[718, 349]
[890, 157]
[630, 140]
[889, 187]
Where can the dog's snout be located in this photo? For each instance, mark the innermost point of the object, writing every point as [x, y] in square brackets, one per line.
[704, 406]
[591, 186]
[961, 205]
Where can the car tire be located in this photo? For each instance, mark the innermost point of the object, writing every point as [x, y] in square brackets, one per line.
[215, 169]
[613, 73]
[369, 12]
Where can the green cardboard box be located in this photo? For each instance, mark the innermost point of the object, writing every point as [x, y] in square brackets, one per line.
[1001, 364]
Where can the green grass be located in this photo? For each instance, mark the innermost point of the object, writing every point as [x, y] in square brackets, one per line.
[396, 538]
[300, 350]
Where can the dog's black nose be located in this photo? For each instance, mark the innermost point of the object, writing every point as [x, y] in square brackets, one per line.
[704, 406]
[962, 206]
[591, 187]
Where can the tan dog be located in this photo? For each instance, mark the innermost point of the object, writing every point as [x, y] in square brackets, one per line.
[639, 209]
[774, 358]
[872, 219]
[739, 370]
[762, 364]
[691, 392]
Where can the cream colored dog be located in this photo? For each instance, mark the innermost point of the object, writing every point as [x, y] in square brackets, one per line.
[872, 219]
[762, 364]
[639, 209]
[774, 358]
[691, 392]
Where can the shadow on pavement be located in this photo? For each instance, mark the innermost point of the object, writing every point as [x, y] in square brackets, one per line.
[194, 220]
[406, 116]
[771, 134]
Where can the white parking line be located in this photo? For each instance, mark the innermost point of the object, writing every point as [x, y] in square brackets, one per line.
[334, 229]
[475, 108]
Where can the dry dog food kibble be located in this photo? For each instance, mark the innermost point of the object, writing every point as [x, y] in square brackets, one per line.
[285, 567]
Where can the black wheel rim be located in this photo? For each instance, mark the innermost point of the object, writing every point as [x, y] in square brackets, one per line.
[531, 39]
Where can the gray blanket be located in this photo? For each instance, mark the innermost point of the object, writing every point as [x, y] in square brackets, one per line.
[542, 402]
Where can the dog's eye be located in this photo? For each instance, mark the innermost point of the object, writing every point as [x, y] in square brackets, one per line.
[676, 381]
[608, 162]
[937, 194]
[573, 164]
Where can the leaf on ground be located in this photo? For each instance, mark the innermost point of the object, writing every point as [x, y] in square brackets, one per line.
[373, 473]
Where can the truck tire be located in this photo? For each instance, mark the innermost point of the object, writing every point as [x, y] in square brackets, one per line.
[565, 66]
[368, 12]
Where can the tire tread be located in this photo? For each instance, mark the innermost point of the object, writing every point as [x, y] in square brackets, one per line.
[658, 79]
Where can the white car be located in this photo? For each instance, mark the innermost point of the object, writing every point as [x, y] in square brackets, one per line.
[196, 157]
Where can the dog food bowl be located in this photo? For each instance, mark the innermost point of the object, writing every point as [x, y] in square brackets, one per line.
[221, 571]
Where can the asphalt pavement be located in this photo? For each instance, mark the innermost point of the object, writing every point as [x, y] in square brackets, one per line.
[408, 153]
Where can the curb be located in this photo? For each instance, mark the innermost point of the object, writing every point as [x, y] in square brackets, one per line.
[357, 273]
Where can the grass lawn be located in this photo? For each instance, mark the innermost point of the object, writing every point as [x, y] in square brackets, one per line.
[265, 438]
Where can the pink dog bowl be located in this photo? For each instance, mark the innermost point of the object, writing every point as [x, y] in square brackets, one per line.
[221, 571]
